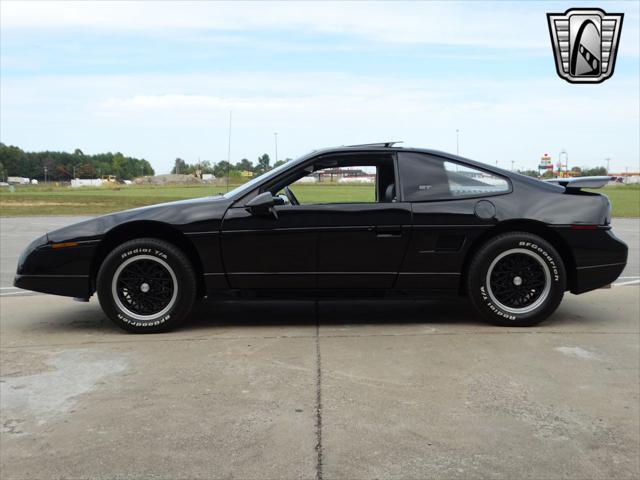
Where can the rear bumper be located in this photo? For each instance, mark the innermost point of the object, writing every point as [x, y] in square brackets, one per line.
[596, 276]
[599, 257]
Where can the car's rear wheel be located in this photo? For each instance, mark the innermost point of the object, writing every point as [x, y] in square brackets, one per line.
[146, 285]
[516, 279]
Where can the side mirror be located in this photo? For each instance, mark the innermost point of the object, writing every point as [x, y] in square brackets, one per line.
[262, 204]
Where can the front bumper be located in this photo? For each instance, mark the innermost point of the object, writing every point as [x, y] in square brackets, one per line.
[66, 285]
[64, 271]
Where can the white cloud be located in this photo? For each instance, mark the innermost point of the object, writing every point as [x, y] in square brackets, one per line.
[193, 103]
[502, 25]
[162, 117]
[445, 23]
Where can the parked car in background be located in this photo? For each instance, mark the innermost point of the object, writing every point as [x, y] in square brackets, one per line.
[433, 223]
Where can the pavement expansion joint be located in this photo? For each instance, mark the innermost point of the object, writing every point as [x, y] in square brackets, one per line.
[319, 450]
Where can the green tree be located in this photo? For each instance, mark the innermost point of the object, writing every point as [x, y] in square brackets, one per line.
[594, 172]
[117, 162]
[49, 165]
[203, 167]
[147, 169]
[529, 173]
[63, 171]
[60, 165]
[13, 160]
[244, 165]
[179, 166]
[263, 164]
[222, 169]
[86, 170]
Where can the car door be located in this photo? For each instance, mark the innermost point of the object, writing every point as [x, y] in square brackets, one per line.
[362, 246]
[268, 252]
[363, 229]
[452, 205]
[326, 242]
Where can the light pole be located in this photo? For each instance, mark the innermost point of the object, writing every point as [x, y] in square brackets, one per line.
[229, 152]
[275, 135]
[457, 142]
[608, 161]
[566, 161]
[45, 174]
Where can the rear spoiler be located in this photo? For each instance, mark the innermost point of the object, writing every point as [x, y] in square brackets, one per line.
[581, 182]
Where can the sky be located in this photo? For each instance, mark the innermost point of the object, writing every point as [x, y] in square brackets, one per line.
[158, 80]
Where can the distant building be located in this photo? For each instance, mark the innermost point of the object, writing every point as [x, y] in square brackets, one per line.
[345, 175]
[626, 178]
[18, 180]
[86, 182]
[362, 179]
[308, 179]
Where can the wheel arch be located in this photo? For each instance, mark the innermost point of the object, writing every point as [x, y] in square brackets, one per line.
[151, 229]
[529, 226]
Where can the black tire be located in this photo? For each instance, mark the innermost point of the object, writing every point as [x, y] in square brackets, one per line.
[516, 279]
[146, 286]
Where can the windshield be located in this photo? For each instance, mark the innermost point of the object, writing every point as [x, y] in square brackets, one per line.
[247, 187]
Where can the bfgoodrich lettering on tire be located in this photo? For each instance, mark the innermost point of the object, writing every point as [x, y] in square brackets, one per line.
[516, 279]
[146, 285]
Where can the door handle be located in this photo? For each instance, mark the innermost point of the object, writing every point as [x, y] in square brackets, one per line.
[390, 231]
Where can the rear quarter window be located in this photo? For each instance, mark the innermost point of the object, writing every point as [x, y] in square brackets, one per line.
[426, 178]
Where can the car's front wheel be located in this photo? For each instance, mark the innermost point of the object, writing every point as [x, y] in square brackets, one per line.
[516, 279]
[146, 285]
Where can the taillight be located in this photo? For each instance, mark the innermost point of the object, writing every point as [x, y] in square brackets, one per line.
[607, 219]
[584, 227]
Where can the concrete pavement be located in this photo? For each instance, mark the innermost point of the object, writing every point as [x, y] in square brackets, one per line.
[367, 389]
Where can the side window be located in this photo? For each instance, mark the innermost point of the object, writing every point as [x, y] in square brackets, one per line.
[337, 185]
[348, 178]
[466, 181]
[426, 178]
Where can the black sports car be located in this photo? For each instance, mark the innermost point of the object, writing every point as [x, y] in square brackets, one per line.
[424, 222]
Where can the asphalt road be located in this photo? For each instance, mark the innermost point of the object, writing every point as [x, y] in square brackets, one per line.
[17, 232]
[344, 389]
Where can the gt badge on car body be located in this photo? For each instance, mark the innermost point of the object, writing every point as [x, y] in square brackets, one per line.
[585, 43]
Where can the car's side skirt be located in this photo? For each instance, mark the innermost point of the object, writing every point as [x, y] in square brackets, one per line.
[428, 280]
[341, 280]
